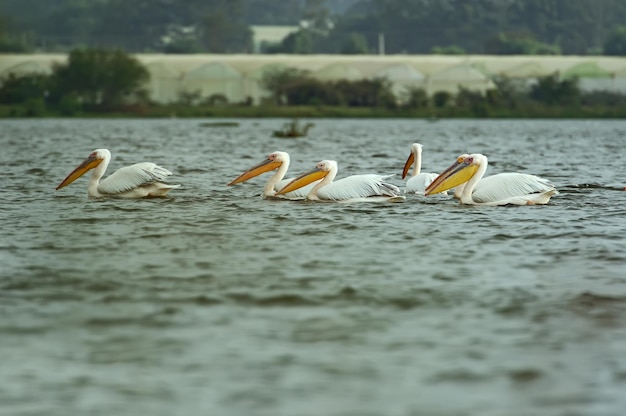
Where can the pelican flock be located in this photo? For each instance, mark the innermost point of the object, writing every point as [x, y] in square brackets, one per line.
[369, 187]
[465, 175]
[135, 181]
[500, 189]
[278, 161]
[419, 180]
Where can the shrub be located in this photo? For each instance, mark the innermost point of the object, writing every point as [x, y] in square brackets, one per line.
[509, 93]
[35, 107]
[615, 43]
[70, 105]
[366, 93]
[441, 99]
[278, 81]
[309, 91]
[603, 98]
[216, 100]
[473, 100]
[415, 97]
[18, 89]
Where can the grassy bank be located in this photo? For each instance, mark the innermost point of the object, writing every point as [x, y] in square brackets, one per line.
[181, 111]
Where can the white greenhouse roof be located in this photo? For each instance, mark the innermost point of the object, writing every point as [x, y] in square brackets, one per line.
[339, 71]
[213, 71]
[403, 72]
[435, 70]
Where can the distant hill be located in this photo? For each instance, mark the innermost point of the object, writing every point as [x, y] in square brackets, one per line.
[341, 6]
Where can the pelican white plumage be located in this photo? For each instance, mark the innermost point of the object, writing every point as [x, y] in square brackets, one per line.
[500, 189]
[134, 181]
[419, 180]
[278, 161]
[371, 187]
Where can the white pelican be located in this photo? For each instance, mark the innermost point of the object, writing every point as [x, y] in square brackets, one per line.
[500, 189]
[354, 188]
[278, 161]
[134, 181]
[418, 182]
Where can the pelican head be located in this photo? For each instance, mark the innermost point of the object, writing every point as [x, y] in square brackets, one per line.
[273, 161]
[456, 174]
[322, 170]
[416, 152]
[93, 160]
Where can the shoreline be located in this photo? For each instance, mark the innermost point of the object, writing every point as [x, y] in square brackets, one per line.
[432, 114]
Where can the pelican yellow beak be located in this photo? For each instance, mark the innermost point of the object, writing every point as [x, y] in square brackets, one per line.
[262, 167]
[88, 164]
[459, 172]
[303, 180]
[408, 164]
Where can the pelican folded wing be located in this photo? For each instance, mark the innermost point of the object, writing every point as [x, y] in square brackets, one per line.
[132, 177]
[503, 186]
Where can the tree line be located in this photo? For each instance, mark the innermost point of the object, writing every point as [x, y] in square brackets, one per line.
[106, 81]
[359, 26]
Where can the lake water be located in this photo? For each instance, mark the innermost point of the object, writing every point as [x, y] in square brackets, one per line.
[217, 302]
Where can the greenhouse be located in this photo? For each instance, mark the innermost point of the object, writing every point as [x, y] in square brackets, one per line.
[239, 77]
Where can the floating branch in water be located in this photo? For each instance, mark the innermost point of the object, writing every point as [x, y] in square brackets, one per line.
[293, 129]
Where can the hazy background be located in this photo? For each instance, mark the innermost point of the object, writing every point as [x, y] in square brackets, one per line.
[317, 26]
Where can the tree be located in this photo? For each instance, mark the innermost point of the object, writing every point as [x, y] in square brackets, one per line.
[615, 43]
[475, 101]
[135, 26]
[7, 43]
[415, 97]
[100, 77]
[354, 44]
[519, 44]
[365, 93]
[509, 93]
[409, 26]
[224, 29]
[181, 40]
[317, 16]
[300, 42]
[311, 91]
[441, 99]
[279, 81]
[18, 89]
[551, 90]
[273, 12]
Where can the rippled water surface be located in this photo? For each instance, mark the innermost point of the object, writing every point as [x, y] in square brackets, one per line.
[217, 302]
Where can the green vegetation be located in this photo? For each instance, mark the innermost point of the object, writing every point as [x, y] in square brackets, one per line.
[295, 87]
[615, 44]
[109, 83]
[99, 78]
[519, 44]
[92, 80]
[348, 26]
[220, 124]
[448, 50]
[534, 110]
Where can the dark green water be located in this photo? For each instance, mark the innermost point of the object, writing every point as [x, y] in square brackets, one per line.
[215, 301]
